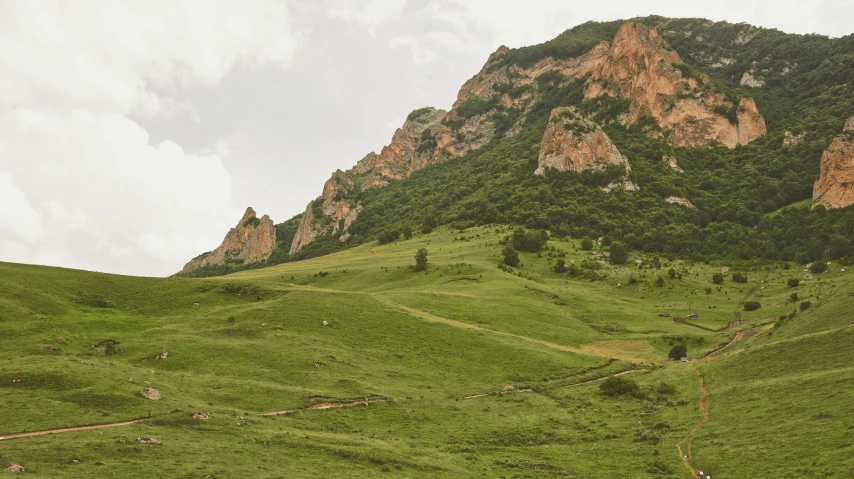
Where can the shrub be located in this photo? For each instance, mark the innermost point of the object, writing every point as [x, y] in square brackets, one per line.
[511, 257]
[421, 259]
[805, 305]
[619, 253]
[426, 229]
[587, 243]
[677, 352]
[407, 232]
[531, 241]
[794, 297]
[671, 273]
[739, 278]
[793, 282]
[818, 267]
[560, 266]
[752, 305]
[718, 278]
[617, 386]
[660, 281]
[388, 236]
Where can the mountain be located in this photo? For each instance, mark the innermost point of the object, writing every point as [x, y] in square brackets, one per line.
[744, 113]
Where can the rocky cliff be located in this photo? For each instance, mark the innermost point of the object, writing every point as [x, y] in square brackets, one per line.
[835, 186]
[637, 65]
[573, 143]
[252, 240]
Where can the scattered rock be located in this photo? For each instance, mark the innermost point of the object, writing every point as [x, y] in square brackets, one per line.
[724, 269]
[749, 80]
[163, 355]
[147, 440]
[201, 415]
[51, 348]
[319, 364]
[150, 393]
[672, 163]
[14, 468]
[326, 323]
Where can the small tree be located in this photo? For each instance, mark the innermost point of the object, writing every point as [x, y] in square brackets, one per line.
[739, 278]
[805, 305]
[818, 267]
[677, 352]
[752, 305]
[421, 259]
[407, 232]
[718, 278]
[660, 281]
[511, 257]
[587, 243]
[793, 282]
[671, 273]
[619, 253]
[560, 266]
[617, 386]
[794, 297]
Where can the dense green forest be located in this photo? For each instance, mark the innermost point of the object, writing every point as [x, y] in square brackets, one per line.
[749, 201]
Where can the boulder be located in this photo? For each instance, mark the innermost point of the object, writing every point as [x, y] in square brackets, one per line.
[835, 186]
[150, 393]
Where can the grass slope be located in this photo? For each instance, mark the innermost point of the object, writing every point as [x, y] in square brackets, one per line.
[469, 370]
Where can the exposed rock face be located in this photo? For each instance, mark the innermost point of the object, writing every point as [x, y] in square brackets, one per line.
[672, 163]
[413, 147]
[252, 240]
[676, 200]
[637, 66]
[573, 143]
[792, 140]
[835, 186]
[749, 80]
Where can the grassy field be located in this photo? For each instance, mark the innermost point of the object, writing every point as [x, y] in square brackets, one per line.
[464, 370]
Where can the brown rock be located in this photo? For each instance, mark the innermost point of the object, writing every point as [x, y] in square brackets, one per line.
[751, 125]
[573, 143]
[672, 163]
[147, 440]
[150, 393]
[835, 186]
[14, 468]
[676, 200]
[251, 241]
[790, 139]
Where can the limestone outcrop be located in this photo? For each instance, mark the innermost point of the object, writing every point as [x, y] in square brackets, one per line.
[573, 143]
[637, 65]
[252, 240]
[835, 186]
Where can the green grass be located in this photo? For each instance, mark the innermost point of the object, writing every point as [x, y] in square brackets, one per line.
[522, 342]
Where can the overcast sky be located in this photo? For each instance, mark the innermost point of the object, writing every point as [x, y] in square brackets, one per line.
[133, 134]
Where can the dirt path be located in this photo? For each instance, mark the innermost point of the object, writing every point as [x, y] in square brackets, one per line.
[704, 408]
[70, 429]
[732, 341]
[328, 405]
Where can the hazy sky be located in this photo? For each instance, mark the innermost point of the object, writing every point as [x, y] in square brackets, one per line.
[133, 134]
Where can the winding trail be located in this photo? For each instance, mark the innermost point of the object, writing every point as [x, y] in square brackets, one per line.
[329, 405]
[704, 408]
[19, 435]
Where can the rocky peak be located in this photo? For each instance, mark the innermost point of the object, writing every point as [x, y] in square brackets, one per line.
[574, 143]
[252, 240]
[641, 67]
[835, 186]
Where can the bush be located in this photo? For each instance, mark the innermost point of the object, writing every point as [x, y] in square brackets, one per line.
[407, 232]
[388, 236]
[426, 229]
[560, 266]
[587, 243]
[752, 305]
[818, 267]
[619, 253]
[793, 282]
[660, 281]
[718, 278]
[805, 305]
[794, 297]
[671, 273]
[617, 386]
[677, 352]
[739, 278]
[511, 257]
[531, 241]
[421, 259]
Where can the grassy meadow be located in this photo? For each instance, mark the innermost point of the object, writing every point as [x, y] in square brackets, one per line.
[464, 370]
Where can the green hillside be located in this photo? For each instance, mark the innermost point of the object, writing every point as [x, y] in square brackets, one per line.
[466, 369]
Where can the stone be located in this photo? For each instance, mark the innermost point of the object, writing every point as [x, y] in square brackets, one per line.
[835, 186]
[150, 393]
[251, 241]
[747, 79]
[676, 200]
[573, 143]
[790, 139]
[672, 163]
[201, 415]
[147, 440]
[15, 468]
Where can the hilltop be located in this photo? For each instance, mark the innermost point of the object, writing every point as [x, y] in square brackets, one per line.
[689, 135]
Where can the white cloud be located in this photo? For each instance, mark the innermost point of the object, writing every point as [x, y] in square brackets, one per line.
[81, 185]
[367, 14]
[20, 220]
